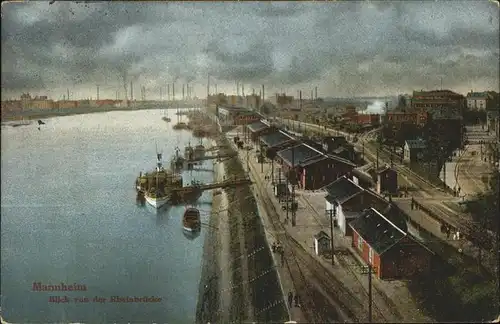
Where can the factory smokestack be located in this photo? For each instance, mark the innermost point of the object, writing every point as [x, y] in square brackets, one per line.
[97, 93]
[237, 88]
[67, 90]
[300, 99]
[263, 95]
[183, 97]
[126, 90]
[208, 87]
[161, 93]
[216, 91]
[316, 93]
[312, 98]
[253, 91]
[131, 91]
[168, 92]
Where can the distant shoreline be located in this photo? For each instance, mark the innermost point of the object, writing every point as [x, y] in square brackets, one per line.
[31, 115]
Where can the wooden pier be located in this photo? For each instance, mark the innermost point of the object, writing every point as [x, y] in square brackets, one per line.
[217, 185]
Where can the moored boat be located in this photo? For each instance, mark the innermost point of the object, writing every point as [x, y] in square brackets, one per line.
[157, 186]
[191, 220]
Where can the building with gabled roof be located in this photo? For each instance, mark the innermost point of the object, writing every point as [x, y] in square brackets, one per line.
[345, 201]
[314, 169]
[413, 150]
[392, 253]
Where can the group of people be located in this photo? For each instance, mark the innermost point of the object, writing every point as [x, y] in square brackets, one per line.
[292, 299]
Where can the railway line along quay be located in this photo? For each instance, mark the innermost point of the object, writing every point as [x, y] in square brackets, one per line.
[239, 281]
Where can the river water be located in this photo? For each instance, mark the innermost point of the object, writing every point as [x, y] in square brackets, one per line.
[69, 215]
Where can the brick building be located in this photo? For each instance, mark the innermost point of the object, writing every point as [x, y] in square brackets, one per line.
[438, 99]
[314, 169]
[400, 118]
[391, 252]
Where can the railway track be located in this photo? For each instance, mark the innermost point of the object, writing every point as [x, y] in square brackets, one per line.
[378, 295]
[323, 297]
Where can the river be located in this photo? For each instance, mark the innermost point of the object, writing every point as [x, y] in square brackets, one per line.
[69, 215]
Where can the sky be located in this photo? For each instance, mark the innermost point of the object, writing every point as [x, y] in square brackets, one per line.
[365, 48]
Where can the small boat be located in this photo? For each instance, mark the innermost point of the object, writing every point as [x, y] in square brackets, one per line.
[191, 220]
[168, 120]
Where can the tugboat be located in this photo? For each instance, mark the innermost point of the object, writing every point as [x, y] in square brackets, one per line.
[191, 220]
[157, 196]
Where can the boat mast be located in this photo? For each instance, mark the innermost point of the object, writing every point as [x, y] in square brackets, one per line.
[158, 168]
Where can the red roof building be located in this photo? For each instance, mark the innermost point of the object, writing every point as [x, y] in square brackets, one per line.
[392, 253]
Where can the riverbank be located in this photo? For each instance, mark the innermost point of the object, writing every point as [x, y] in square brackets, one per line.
[38, 114]
[208, 299]
[239, 281]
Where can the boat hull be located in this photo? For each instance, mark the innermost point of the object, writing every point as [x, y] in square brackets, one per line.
[156, 202]
[190, 229]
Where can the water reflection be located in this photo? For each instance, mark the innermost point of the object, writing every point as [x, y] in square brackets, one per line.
[191, 235]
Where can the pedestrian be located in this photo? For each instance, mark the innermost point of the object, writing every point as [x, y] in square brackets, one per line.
[274, 247]
[282, 256]
[296, 299]
[290, 299]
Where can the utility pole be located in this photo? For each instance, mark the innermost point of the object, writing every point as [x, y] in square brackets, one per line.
[369, 293]
[248, 164]
[287, 198]
[272, 167]
[261, 158]
[293, 186]
[333, 213]
[444, 168]
[363, 150]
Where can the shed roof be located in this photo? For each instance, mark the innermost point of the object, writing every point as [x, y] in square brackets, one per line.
[380, 233]
[301, 153]
[341, 160]
[342, 190]
[321, 235]
[313, 160]
[276, 138]
[416, 144]
[384, 169]
[257, 126]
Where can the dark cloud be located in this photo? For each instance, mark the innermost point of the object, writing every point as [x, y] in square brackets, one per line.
[345, 48]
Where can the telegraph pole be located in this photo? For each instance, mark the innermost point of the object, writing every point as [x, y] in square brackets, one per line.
[261, 158]
[369, 293]
[444, 169]
[363, 150]
[293, 186]
[333, 213]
